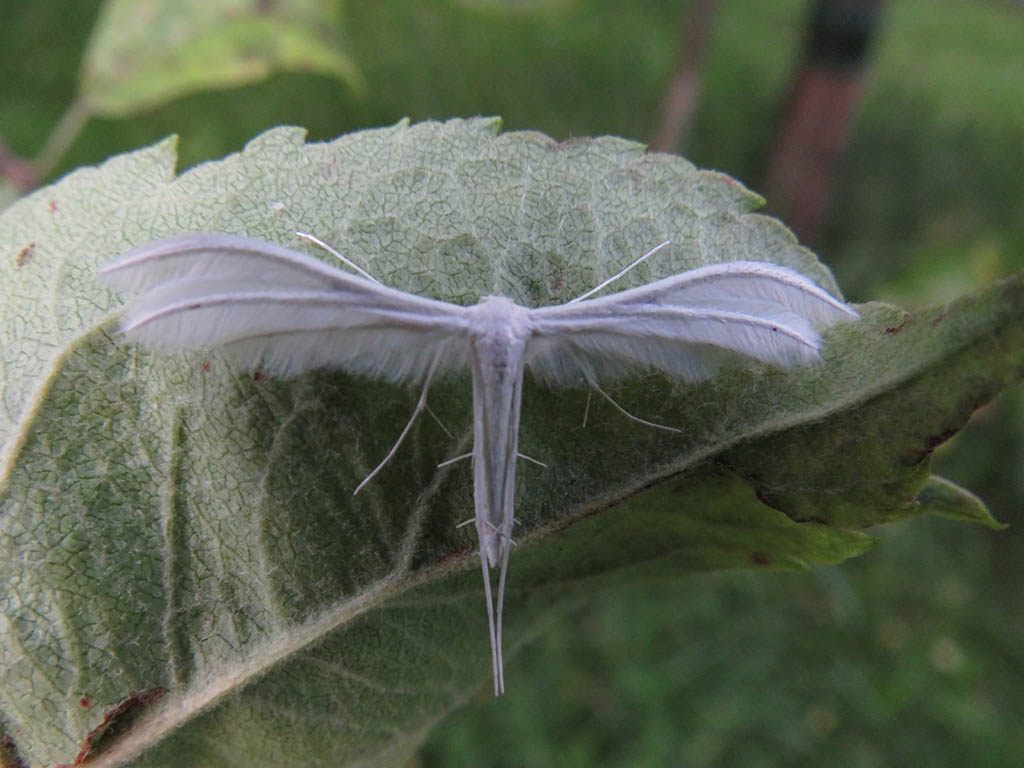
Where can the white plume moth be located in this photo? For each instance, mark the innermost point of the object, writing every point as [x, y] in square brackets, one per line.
[289, 313]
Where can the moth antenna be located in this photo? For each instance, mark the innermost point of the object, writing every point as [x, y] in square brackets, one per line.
[629, 415]
[622, 272]
[347, 262]
[420, 405]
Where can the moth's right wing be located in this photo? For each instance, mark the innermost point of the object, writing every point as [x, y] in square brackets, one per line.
[281, 310]
[685, 325]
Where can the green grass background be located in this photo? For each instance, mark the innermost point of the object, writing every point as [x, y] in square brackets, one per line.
[910, 655]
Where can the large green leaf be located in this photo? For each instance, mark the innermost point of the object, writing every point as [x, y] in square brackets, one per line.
[146, 52]
[187, 578]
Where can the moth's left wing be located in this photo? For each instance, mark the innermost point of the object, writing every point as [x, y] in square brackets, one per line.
[281, 310]
[685, 325]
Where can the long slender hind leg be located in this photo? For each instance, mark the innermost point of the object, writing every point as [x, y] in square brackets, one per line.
[420, 405]
[600, 391]
[629, 415]
[499, 683]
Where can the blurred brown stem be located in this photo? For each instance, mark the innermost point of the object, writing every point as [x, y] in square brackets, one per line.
[21, 173]
[62, 137]
[26, 174]
[682, 95]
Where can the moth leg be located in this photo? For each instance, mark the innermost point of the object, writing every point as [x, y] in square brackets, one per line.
[462, 456]
[420, 405]
[454, 459]
[439, 423]
[532, 460]
[629, 415]
[493, 527]
[499, 533]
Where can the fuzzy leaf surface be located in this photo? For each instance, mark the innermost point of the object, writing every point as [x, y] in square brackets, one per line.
[187, 578]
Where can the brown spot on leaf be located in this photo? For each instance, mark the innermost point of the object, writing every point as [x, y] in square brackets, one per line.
[259, 377]
[85, 702]
[116, 722]
[25, 255]
[207, 366]
[760, 558]
[931, 442]
[898, 328]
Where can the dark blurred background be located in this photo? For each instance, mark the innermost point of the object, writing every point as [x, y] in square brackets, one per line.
[889, 135]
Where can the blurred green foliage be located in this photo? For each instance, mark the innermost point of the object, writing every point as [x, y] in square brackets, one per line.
[907, 656]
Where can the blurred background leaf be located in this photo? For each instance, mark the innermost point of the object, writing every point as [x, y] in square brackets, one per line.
[905, 656]
[148, 52]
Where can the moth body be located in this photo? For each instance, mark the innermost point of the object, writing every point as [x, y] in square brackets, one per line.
[500, 330]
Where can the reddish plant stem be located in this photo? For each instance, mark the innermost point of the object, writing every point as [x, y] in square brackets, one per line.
[818, 120]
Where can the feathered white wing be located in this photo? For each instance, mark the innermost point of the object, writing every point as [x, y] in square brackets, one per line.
[281, 310]
[685, 325]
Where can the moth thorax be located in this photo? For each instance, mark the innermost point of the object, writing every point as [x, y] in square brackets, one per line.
[499, 320]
